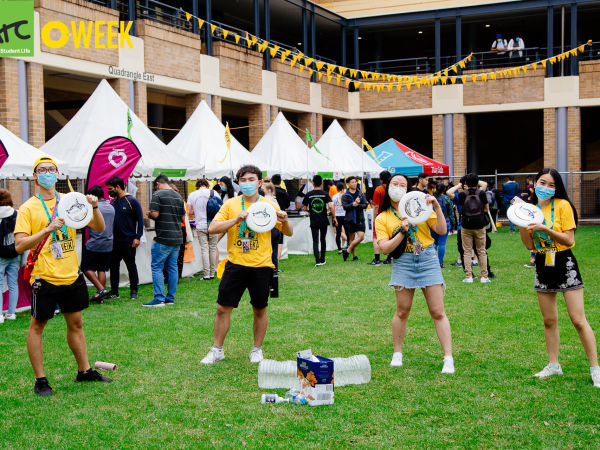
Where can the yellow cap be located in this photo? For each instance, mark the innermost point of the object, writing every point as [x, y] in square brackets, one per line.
[44, 159]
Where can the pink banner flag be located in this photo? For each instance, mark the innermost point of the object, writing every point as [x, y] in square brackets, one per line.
[3, 154]
[116, 156]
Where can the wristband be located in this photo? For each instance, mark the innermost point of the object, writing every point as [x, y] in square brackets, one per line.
[95, 207]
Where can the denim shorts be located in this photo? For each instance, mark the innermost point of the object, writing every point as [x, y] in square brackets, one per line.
[411, 271]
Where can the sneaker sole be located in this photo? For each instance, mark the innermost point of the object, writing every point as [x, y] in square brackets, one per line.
[153, 306]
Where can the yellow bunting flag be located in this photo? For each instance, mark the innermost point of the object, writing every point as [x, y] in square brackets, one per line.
[389, 87]
[574, 52]
[379, 87]
[319, 65]
[376, 76]
[225, 33]
[248, 41]
[353, 73]
[237, 38]
[419, 82]
[254, 39]
[399, 86]
[565, 55]
[453, 80]
[364, 74]
[462, 64]
[356, 84]
[581, 48]
[310, 72]
[544, 63]
[329, 78]
[300, 55]
[493, 75]
[484, 77]
[200, 23]
[308, 61]
[212, 29]
[188, 16]
[524, 69]
[517, 70]
[330, 68]
[301, 67]
[273, 50]
[534, 65]
[553, 60]
[445, 72]
[463, 79]
[367, 87]
[342, 70]
[339, 77]
[320, 76]
[227, 135]
[388, 78]
[444, 80]
[408, 83]
[285, 54]
[293, 62]
[434, 80]
[454, 69]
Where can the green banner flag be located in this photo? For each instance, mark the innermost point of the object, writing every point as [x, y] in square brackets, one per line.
[310, 139]
[129, 124]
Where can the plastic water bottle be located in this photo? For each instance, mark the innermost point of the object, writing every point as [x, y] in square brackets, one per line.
[277, 374]
[273, 398]
[353, 370]
[294, 396]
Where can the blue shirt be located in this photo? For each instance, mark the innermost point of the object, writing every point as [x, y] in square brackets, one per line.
[509, 191]
[129, 219]
[102, 241]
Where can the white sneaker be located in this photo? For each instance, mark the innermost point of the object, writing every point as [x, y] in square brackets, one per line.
[549, 371]
[1, 318]
[595, 371]
[256, 355]
[11, 317]
[396, 360]
[448, 365]
[214, 355]
[468, 280]
[485, 280]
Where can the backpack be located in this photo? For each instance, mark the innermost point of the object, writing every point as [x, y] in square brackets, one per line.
[213, 206]
[451, 210]
[474, 217]
[7, 237]
[443, 205]
[491, 198]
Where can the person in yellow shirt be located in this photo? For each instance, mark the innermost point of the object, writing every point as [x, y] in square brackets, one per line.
[417, 267]
[249, 265]
[57, 267]
[556, 269]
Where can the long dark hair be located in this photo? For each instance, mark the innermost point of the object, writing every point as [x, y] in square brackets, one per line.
[560, 191]
[440, 189]
[230, 191]
[387, 201]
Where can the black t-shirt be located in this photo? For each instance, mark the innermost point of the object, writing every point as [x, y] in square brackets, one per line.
[171, 209]
[282, 198]
[317, 202]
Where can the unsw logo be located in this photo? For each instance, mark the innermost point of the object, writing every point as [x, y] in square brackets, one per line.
[117, 157]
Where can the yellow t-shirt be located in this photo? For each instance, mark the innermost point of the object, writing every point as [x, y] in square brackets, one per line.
[260, 246]
[32, 218]
[564, 220]
[387, 223]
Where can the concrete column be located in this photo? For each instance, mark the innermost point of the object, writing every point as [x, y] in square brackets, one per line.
[258, 122]
[574, 155]
[448, 130]
[9, 95]
[141, 100]
[562, 149]
[549, 137]
[35, 102]
[437, 135]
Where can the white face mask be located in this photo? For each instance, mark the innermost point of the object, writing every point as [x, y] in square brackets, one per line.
[396, 193]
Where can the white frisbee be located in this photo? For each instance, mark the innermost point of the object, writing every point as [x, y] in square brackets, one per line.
[262, 217]
[522, 214]
[75, 210]
[414, 207]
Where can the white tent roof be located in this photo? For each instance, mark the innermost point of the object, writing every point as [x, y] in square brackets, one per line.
[202, 139]
[103, 116]
[347, 157]
[21, 156]
[282, 151]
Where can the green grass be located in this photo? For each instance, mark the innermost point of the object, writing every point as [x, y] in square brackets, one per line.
[162, 396]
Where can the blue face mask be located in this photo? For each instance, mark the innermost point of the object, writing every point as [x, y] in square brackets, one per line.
[47, 180]
[249, 188]
[544, 193]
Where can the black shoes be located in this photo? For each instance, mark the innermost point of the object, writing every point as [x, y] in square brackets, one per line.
[91, 375]
[375, 262]
[387, 261]
[42, 387]
[111, 295]
[133, 295]
[345, 254]
[355, 258]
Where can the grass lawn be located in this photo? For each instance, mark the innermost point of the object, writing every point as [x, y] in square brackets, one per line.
[162, 396]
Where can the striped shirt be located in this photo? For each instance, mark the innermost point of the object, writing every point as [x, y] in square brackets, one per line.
[170, 208]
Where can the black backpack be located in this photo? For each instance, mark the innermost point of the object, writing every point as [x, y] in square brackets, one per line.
[213, 206]
[473, 214]
[7, 237]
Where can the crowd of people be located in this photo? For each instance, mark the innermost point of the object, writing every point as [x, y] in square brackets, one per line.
[416, 253]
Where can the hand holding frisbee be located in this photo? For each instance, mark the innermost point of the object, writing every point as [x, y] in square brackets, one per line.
[415, 208]
[523, 214]
[262, 217]
[75, 210]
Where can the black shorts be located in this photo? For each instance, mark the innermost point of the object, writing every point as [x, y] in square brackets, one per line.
[236, 279]
[564, 276]
[70, 298]
[96, 261]
[352, 227]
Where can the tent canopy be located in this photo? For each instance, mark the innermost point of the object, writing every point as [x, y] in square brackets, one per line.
[394, 160]
[21, 156]
[104, 115]
[430, 166]
[202, 139]
[282, 151]
[347, 157]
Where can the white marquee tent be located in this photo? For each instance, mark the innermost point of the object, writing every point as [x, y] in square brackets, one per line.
[202, 139]
[347, 157]
[104, 115]
[21, 156]
[282, 151]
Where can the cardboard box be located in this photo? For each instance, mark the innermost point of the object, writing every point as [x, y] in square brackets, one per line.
[315, 378]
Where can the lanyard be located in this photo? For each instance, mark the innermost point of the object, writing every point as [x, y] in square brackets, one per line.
[412, 230]
[537, 236]
[50, 218]
[243, 225]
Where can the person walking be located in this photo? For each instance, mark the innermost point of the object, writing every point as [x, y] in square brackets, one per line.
[510, 189]
[168, 211]
[492, 198]
[96, 253]
[249, 264]
[446, 205]
[556, 269]
[354, 203]
[128, 228]
[378, 195]
[473, 202]
[9, 258]
[338, 218]
[55, 276]
[198, 205]
[417, 267]
[318, 204]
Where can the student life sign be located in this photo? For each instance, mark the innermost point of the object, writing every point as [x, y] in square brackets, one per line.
[16, 28]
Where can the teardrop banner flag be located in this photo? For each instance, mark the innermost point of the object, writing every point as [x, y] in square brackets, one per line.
[3, 154]
[116, 156]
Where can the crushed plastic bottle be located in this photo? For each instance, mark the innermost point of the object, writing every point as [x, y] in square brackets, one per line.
[273, 398]
[294, 396]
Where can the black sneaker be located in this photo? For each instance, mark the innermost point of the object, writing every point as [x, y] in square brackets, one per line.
[355, 258]
[345, 254]
[456, 264]
[42, 387]
[133, 295]
[375, 262]
[111, 295]
[491, 275]
[91, 375]
[387, 261]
